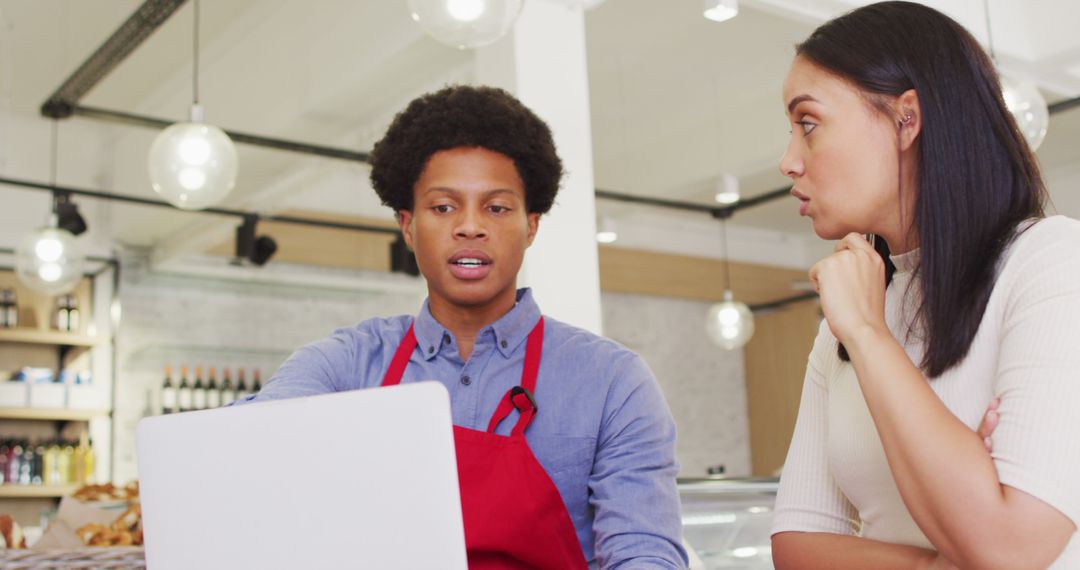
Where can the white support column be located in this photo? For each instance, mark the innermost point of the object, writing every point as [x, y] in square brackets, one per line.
[543, 62]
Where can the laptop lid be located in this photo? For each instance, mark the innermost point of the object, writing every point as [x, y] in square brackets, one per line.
[358, 479]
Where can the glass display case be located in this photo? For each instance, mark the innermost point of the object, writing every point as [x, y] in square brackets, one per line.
[726, 522]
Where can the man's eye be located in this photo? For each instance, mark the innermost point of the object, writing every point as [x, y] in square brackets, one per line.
[499, 209]
[441, 208]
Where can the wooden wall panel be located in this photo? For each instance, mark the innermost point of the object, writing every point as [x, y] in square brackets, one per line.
[775, 360]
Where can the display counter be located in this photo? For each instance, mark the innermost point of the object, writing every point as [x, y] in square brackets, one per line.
[726, 521]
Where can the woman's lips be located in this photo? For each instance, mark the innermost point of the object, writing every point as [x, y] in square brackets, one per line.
[804, 201]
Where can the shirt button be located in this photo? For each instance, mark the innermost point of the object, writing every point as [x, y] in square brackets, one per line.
[446, 339]
[466, 380]
[430, 349]
[503, 344]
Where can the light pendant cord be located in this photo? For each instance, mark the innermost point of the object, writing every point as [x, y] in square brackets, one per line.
[55, 152]
[195, 59]
[989, 31]
[727, 262]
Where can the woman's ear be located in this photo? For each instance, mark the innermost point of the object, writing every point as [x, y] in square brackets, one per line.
[909, 118]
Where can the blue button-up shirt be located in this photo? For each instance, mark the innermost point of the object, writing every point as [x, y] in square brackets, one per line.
[603, 432]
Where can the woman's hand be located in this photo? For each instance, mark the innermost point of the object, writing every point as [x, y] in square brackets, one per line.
[989, 424]
[851, 284]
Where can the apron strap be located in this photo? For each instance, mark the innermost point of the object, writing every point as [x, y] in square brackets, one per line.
[521, 397]
[401, 359]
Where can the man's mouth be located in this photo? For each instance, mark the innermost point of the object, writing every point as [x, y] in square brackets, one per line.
[471, 262]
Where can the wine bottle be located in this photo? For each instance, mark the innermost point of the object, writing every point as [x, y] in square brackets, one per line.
[213, 392]
[168, 393]
[256, 385]
[241, 384]
[228, 392]
[198, 393]
[183, 392]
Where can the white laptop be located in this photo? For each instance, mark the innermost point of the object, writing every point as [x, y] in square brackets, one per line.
[359, 479]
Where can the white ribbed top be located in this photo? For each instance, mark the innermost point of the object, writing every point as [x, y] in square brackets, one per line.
[1027, 351]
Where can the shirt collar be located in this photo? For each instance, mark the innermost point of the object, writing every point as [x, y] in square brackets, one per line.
[510, 330]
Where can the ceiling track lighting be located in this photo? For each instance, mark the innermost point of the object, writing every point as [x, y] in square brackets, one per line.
[193, 165]
[67, 214]
[249, 247]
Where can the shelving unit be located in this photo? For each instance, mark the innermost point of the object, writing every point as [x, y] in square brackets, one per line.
[57, 415]
[36, 491]
[47, 337]
[35, 344]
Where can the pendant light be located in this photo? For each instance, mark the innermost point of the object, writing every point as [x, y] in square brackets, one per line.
[727, 190]
[49, 260]
[606, 230]
[1027, 105]
[729, 324]
[193, 165]
[465, 23]
[721, 10]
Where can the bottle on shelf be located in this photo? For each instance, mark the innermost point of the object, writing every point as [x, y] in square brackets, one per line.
[183, 392]
[213, 391]
[9, 309]
[198, 393]
[90, 463]
[26, 466]
[256, 384]
[67, 313]
[241, 384]
[168, 393]
[52, 463]
[37, 474]
[14, 456]
[66, 464]
[5, 448]
[228, 392]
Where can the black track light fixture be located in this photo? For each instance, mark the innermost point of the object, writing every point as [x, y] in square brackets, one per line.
[67, 214]
[257, 250]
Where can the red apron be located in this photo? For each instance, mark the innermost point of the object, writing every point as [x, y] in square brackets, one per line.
[513, 514]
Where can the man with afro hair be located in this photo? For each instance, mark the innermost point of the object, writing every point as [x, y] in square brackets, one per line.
[565, 445]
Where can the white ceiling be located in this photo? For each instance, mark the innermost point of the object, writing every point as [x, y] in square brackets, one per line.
[676, 100]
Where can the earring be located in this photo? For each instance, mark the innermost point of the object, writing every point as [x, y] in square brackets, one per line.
[906, 120]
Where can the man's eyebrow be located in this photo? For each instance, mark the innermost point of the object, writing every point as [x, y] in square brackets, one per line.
[795, 101]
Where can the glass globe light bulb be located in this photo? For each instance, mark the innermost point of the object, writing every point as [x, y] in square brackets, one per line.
[1028, 107]
[49, 261]
[192, 165]
[730, 324]
[465, 23]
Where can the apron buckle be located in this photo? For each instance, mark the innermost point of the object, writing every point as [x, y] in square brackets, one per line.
[518, 391]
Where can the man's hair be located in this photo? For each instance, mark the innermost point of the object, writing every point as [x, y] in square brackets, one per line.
[465, 116]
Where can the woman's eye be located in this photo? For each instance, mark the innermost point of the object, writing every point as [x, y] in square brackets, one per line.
[807, 126]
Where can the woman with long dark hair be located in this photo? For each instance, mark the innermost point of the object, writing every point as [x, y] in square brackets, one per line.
[965, 294]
